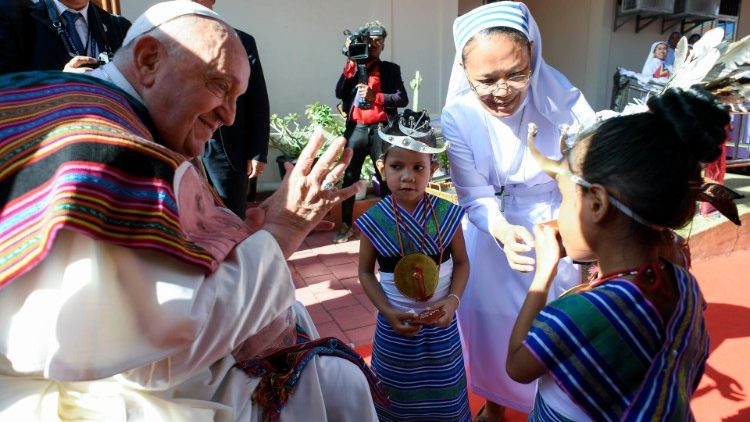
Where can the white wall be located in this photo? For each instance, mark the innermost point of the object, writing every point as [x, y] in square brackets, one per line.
[300, 43]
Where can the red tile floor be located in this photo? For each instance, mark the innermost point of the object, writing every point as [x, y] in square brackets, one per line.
[326, 278]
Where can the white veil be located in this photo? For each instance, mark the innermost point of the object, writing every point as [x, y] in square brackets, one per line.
[552, 94]
[651, 62]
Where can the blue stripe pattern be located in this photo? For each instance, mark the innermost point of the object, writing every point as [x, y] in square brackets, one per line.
[378, 224]
[610, 352]
[500, 14]
[424, 375]
[543, 413]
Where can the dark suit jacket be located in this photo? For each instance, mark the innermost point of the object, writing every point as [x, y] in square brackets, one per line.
[29, 42]
[391, 85]
[247, 138]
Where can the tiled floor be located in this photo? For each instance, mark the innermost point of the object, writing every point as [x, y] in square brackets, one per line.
[326, 278]
[327, 284]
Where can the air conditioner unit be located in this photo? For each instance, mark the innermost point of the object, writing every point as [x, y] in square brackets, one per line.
[703, 8]
[646, 7]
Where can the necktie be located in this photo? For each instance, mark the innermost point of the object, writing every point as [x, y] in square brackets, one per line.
[70, 21]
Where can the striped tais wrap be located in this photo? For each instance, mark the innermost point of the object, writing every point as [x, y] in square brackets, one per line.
[76, 155]
[609, 350]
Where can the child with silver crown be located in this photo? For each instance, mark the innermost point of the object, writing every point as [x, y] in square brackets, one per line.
[416, 240]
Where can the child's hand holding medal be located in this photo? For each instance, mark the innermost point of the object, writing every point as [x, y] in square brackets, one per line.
[430, 316]
[401, 322]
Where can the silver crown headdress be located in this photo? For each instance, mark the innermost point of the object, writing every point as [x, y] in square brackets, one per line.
[414, 133]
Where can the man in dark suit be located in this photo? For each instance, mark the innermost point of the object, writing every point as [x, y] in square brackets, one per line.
[30, 41]
[384, 92]
[237, 154]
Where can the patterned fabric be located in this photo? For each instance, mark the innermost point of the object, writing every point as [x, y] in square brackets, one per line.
[281, 370]
[609, 351]
[424, 375]
[77, 154]
[543, 413]
[379, 225]
[501, 14]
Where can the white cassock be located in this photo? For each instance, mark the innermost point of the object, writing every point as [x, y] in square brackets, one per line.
[482, 161]
[103, 332]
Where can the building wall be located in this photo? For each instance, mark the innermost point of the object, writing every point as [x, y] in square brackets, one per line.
[300, 44]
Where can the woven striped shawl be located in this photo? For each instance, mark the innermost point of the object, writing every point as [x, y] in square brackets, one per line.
[609, 350]
[76, 155]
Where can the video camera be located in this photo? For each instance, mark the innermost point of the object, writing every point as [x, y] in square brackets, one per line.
[359, 51]
[359, 44]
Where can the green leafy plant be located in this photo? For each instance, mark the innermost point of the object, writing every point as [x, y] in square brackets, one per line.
[318, 113]
[368, 169]
[290, 136]
[443, 161]
[443, 156]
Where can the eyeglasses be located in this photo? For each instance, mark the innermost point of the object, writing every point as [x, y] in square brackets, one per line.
[515, 82]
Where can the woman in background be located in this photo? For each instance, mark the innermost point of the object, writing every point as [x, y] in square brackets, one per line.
[654, 67]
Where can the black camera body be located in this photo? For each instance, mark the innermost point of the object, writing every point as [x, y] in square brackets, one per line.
[359, 44]
[359, 52]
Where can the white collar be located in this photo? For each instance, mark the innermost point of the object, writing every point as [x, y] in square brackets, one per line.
[110, 72]
[61, 8]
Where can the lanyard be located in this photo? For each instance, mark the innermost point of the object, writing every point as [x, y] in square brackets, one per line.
[54, 17]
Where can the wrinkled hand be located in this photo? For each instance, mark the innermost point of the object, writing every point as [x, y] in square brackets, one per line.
[364, 91]
[300, 203]
[75, 65]
[399, 322]
[516, 242]
[255, 168]
[549, 250]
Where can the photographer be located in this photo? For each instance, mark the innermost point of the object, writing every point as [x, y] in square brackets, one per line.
[87, 35]
[367, 105]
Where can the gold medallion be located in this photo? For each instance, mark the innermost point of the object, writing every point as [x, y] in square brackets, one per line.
[416, 276]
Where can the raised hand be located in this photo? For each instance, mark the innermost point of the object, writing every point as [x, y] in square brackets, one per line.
[301, 201]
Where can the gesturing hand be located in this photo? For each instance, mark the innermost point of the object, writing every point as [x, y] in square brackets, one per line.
[301, 201]
[549, 250]
[517, 241]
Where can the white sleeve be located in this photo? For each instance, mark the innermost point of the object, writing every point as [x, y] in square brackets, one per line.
[250, 289]
[92, 310]
[476, 193]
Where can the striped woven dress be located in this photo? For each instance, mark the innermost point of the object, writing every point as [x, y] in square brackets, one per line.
[424, 375]
[609, 350]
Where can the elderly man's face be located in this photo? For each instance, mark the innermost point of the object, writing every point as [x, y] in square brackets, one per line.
[197, 89]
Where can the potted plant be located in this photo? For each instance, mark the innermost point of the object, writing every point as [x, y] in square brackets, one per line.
[290, 136]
